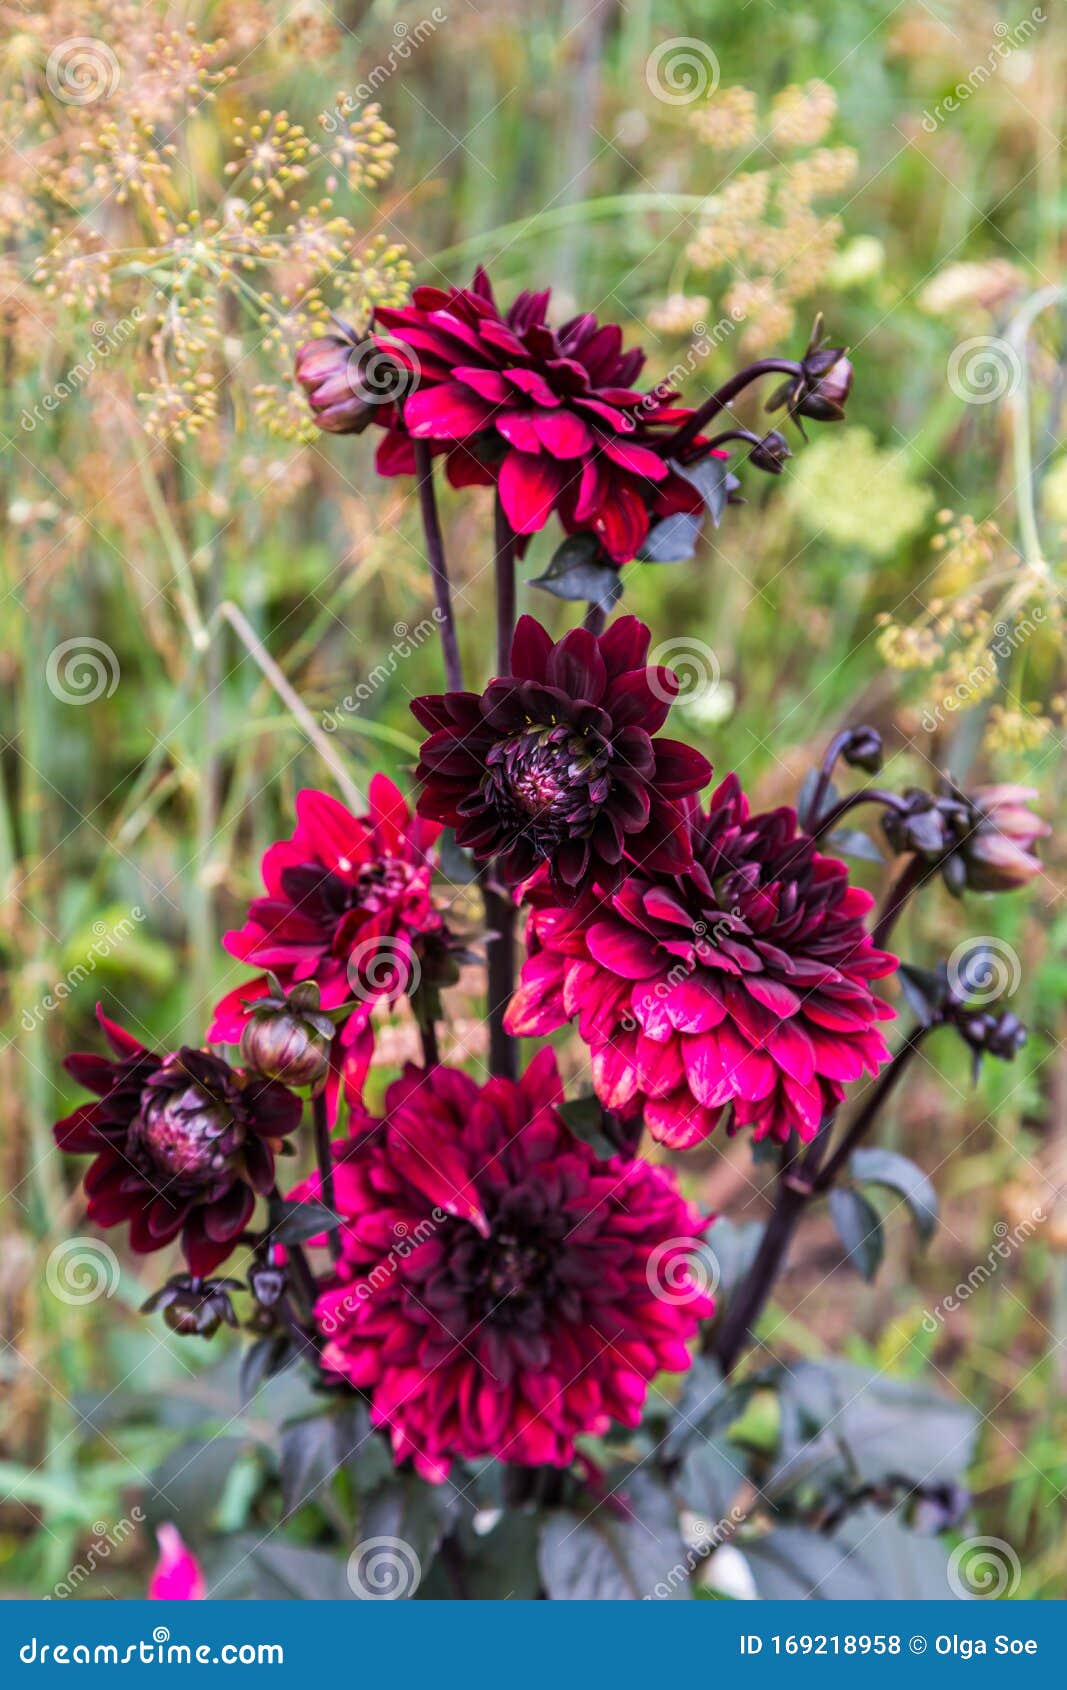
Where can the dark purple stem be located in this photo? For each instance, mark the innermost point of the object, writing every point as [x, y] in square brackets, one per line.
[595, 617]
[723, 396]
[435, 552]
[499, 905]
[914, 874]
[325, 1166]
[818, 825]
[876, 1097]
[506, 543]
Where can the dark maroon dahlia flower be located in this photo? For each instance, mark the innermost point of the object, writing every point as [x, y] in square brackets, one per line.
[348, 906]
[501, 1291]
[183, 1144]
[549, 416]
[555, 765]
[743, 981]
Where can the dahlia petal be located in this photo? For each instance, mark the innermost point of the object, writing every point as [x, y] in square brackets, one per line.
[529, 488]
[446, 412]
[622, 950]
[696, 1005]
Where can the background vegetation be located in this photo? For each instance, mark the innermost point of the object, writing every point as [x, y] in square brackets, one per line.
[169, 507]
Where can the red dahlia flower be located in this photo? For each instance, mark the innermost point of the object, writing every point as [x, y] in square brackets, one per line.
[743, 981]
[549, 416]
[348, 905]
[555, 764]
[501, 1291]
[183, 1143]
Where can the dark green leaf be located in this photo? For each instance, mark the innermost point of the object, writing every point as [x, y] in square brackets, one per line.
[605, 1558]
[499, 1565]
[673, 539]
[859, 1227]
[253, 1567]
[712, 479]
[711, 1476]
[885, 1167]
[292, 1223]
[585, 1118]
[924, 993]
[310, 1456]
[853, 842]
[266, 1357]
[732, 1247]
[457, 864]
[706, 1404]
[417, 1515]
[188, 1484]
[577, 572]
[795, 1565]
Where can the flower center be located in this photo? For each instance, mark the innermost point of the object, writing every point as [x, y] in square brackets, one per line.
[550, 780]
[182, 1134]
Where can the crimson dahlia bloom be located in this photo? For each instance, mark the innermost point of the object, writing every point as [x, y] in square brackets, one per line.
[556, 765]
[501, 1291]
[183, 1144]
[347, 905]
[549, 416]
[744, 981]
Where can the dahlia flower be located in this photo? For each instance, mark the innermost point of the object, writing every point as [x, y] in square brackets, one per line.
[555, 764]
[183, 1144]
[743, 981]
[549, 416]
[178, 1575]
[982, 840]
[501, 1291]
[348, 905]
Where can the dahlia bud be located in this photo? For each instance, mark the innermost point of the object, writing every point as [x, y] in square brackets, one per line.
[997, 850]
[989, 1033]
[771, 453]
[329, 371]
[187, 1129]
[288, 1037]
[920, 826]
[828, 383]
[266, 1281]
[863, 750]
[821, 385]
[194, 1307]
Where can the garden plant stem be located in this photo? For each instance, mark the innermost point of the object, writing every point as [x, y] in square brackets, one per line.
[435, 552]
[325, 1165]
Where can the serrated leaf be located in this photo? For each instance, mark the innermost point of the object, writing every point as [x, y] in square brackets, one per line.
[859, 1227]
[875, 1166]
[293, 1223]
[673, 539]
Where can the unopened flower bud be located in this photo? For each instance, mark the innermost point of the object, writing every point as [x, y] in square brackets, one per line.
[284, 1047]
[771, 454]
[863, 750]
[194, 1307]
[266, 1281]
